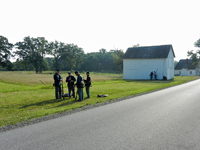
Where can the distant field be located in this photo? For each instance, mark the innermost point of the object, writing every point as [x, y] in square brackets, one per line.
[29, 78]
[23, 97]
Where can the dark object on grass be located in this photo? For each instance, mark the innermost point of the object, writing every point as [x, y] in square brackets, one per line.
[101, 95]
[66, 95]
[164, 78]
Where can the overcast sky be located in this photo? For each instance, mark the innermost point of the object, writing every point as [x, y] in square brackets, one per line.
[96, 24]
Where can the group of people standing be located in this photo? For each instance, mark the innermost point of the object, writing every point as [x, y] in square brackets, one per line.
[80, 84]
[153, 73]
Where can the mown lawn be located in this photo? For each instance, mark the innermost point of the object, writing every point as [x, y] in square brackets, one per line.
[22, 100]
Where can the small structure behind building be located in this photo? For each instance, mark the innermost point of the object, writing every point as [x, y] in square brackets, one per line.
[185, 67]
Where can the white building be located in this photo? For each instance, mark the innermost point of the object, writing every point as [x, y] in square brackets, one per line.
[186, 68]
[139, 62]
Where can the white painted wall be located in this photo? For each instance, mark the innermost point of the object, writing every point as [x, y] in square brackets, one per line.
[177, 72]
[196, 71]
[139, 69]
[185, 72]
[170, 65]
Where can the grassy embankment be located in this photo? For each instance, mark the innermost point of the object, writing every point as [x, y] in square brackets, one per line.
[23, 97]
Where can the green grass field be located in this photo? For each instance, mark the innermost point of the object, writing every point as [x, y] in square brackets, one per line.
[23, 97]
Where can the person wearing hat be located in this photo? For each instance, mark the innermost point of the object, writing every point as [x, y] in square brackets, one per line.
[79, 85]
[88, 84]
[70, 83]
[57, 79]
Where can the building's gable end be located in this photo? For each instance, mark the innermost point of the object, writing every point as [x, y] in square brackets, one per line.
[170, 54]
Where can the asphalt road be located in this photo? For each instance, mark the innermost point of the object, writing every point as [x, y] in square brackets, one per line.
[164, 120]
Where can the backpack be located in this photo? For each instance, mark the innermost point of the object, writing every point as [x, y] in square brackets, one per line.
[82, 84]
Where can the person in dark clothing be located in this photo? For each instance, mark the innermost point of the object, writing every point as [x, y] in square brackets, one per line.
[70, 83]
[80, 85]
[155, 76]
[88, 84]
[164, 78]
[57, 79]
[151, 75]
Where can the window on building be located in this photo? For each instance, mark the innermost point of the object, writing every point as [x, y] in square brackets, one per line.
[190, 72]
[179, 72]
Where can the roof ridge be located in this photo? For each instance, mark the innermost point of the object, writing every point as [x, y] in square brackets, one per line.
[152, 46]
[144, 52]
[185, 59]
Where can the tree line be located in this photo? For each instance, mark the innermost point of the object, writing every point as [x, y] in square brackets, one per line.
[32, 55]
[195, 56]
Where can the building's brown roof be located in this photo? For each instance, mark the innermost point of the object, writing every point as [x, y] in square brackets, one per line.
[186, 64]
[161, 51]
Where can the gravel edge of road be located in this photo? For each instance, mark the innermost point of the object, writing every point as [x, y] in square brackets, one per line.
[53, 116]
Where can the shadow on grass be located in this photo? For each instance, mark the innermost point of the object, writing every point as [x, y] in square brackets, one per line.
[44, 103]
[66, 104]
[69, 103]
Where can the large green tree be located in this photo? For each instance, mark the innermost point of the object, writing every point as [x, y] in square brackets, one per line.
[22, 65]
[5, 53]
[195, 56]
[72, 57]
[66, 56]
[42, 49]
[197, 43]
[56, 49]
[100, 61]
[33, 50]
[91, 62]
[32, 53]
[118, 58]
